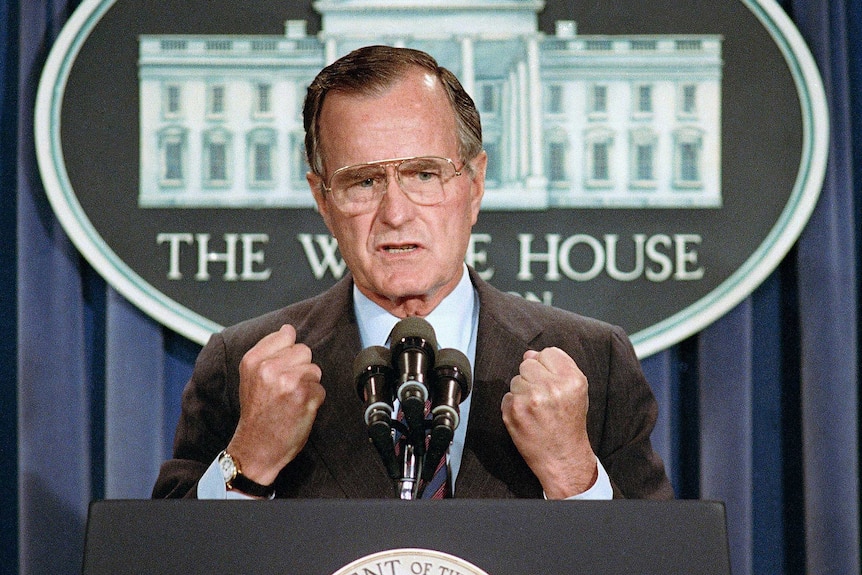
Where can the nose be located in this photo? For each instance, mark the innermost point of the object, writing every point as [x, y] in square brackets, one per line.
[395, 206]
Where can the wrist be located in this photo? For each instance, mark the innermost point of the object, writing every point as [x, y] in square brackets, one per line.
[257, 464]
[570, 477]
[234, 478]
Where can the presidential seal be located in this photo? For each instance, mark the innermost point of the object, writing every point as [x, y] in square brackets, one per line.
[410, 562]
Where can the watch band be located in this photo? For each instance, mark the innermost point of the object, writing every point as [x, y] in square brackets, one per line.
[249, 487]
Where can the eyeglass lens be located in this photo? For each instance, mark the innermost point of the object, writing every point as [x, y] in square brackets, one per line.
[423, 179]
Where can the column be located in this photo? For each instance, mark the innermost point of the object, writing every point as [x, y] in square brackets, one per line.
[523, 122]
[537, 172]
[468, 67]
[331, 50]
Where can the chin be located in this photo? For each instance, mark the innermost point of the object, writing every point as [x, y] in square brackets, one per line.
[402, 292]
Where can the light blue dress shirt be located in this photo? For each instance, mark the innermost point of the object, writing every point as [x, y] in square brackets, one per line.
[455, 320]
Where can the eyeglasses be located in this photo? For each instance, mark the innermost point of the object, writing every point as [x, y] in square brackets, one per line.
[358, 189]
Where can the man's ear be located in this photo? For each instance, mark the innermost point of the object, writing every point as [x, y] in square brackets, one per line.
[315, 184]
[477, 187]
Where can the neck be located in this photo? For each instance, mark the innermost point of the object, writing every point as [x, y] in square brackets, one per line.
[411, 305]
[408, 306]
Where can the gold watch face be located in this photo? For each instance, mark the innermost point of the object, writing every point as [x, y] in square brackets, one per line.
[228, 467]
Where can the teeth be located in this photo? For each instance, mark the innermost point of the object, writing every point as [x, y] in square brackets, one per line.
[401, 249]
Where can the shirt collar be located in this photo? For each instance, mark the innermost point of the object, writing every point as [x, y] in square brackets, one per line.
[452, 318]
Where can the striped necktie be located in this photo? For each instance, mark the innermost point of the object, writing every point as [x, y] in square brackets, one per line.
[438, 486]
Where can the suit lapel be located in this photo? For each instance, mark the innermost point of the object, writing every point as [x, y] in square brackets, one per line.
[340, 437]
[491, 465]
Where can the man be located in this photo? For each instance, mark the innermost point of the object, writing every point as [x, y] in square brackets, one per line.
[559, 406]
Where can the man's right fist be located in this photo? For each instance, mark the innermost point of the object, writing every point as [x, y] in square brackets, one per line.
[279, 393]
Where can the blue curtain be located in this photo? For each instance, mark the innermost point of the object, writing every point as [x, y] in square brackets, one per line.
[8, 279]
[760, 410]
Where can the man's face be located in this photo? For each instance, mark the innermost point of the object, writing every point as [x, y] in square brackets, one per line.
[404, 256]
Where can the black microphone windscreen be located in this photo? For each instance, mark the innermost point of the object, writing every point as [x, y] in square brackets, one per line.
[451, 357]
[413, 327]
[374, 355]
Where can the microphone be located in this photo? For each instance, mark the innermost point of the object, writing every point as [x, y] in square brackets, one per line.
[413, 344]
[373, 375]
[452, 382]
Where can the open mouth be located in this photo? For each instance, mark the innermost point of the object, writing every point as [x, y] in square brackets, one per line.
[400, 249]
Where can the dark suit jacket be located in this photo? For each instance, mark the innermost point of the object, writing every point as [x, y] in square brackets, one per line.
[339, 461]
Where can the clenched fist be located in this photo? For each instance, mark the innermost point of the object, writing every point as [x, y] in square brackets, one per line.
[545, 412]
[279, 393]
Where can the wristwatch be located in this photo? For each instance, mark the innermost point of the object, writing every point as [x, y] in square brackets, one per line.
[234, 479]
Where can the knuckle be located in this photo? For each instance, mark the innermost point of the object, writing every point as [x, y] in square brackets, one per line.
[269, 369]
[250, 358]
[297, 354]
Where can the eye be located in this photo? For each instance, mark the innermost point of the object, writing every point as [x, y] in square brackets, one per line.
[422, 172]
[364, 179]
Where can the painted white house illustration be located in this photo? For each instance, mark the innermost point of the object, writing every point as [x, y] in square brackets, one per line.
[568, 120]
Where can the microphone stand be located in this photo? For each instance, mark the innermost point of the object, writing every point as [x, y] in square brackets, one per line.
[408, 484]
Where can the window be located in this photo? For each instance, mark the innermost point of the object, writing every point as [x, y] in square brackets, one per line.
[643, 158]
[599, 45]
[689, 45]
[639, 45]
[173, 45]
[216, 159]
[689, 99]
[489, 98]
[262, 162]
[555, 99]
[261, 153]
[216, 101]
[264, 99]
[172, 152]
[644, 163]
[644, 99]
[264, 45]
[599, 99]
[173, 161]
[687, 158]
[172, 101]
[219, 45]
[599, 160]
[689, 171]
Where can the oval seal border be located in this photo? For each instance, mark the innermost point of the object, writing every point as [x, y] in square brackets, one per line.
[800, 205]
[414, 556]
[690, 320]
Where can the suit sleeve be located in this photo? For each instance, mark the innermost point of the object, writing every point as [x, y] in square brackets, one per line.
[210, 412]
[635, 469]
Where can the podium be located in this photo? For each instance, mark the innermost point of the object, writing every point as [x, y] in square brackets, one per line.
[322, 537]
